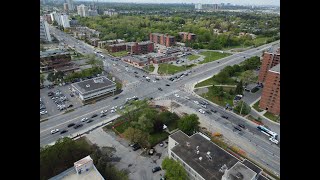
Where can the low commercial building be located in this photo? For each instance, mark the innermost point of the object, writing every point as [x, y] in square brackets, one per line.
[94, 41]
[270, 98]
[163, 59]
[204, 160]
[140, 48]
[84, 169]
[137, 61]
[93, 88]
[102, 44]
[52, 59]
[117, 47]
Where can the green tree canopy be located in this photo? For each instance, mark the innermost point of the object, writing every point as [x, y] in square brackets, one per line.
[174, 170]
[245, 108]
[189, 124]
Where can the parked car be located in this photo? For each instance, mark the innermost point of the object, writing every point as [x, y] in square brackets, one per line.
[136, 147]
[176, 95]
[160, 89]
[214, 111]
[187, 98]
[167, 84]
[156, 169]
[63, 131]
[151, 151]
[70, 106]
[115, 98]
[103, 115]
[94, 115]
[201, 111]
[84, 119]
[241, 125]
[223, 116]
[237, 128]
[77, 126]
[90, 120]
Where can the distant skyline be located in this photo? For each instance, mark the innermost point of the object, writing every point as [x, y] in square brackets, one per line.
[238, 2]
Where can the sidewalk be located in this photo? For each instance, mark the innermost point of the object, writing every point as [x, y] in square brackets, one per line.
[155, 71]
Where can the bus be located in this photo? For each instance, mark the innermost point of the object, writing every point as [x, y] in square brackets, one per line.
[268, 132]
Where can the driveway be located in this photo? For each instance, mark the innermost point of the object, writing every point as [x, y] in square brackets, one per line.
[136, 162]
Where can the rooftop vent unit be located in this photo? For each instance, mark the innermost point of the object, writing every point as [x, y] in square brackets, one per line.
[188, 144]
[200, 158]
[88, 85]
[223, 168]
[198, 152]
[98, 80]
[197, 148]
[239, 175]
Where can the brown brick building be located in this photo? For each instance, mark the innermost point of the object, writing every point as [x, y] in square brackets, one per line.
[117, 47]
[54, 59]
[163, 39]
[186, 36]
[269, 60]
[270, 98]
[140, 48]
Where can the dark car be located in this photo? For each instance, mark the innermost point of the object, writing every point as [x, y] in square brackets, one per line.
[115, 98]
[167, 84]
[93, 116]
[77, 126]
[160, 89]
[70, 106]
[241, 125]
[223, 116]
[136, 72]
[103, 115]
[156, 169]
[70, 125]
[63, 131]
[237, 128]
[136, 76]
[214, 111]
[90, 120]
[136, 147]
[151, 98]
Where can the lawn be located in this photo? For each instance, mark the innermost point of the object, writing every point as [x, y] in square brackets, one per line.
[220, 101]
[207, 82]
[121, 128]
[119, 54]
[193, 57]
[172, 69]
[149, 68]
[212, 56]
[172, 125]
[260, 41]
[272, 117]
[157, 137]
[256, 106]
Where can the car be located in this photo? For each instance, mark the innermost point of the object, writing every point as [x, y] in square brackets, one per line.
[121, 107]
[161, 144]
[196, 102]
[151, 151]
[204, 106]
[77, 126]
[176, 95]
[115, 98]
[167, 84]
[156, 169]
[90, 120]
[70, 125]
[223, 116]
[103, 111]
[94, 115]
[273, 140]
[84, 119]
[63, 131]
[70, 106]
[244, 57]
[187, 98]
[103, 115]
[43, 112]
[214, 111]
[160, 89]
[113, 111]
[136, 147]
[54, 131]
[237, 128]
[136, 76]
[201, 111]
[150, 98]
[154, 81]
[241, 125]
[136, 72]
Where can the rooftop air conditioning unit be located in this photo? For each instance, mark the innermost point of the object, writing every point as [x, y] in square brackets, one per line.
[88, 85]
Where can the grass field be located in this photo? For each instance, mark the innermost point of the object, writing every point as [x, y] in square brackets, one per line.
[157, 137]
[172, 69]
[256, 106]
[260, 41]
[119, 54]
[149, 68]
[220, 101]
[272, 117]
[193, 57]
[212, 56]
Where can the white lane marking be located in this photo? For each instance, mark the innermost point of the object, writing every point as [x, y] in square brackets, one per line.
[73, 119]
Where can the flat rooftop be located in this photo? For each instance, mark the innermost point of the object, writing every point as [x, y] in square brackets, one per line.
[71, 174]
[93, 84]
[240, 172]
[52, 52]
[276, 68]
[252, 166]
[208, 169]
[136, 58]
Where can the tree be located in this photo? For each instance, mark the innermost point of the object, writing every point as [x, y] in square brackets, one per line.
[248, 77]
[174, 170]
[189, 124]
[242, 108]
[239, 88]
[50, 77]
[42, 78]
[146, 124]
[135, 135]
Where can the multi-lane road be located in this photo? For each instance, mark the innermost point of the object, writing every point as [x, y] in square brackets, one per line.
[269, 154]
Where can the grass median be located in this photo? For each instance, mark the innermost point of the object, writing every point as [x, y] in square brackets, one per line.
[172, 69]
[212, 56]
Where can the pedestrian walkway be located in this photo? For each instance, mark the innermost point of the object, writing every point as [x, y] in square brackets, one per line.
[155, 71]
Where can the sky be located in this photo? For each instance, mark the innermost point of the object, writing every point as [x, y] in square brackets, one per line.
[238, 2]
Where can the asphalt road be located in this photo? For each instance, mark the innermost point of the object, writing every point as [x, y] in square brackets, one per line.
[143, 89]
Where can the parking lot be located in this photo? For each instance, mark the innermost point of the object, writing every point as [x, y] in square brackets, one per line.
[63, 98]
[138, 163]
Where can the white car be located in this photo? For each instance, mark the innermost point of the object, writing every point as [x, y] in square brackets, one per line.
[273, 140]
[201, 111]
[187, 98]
[43, 112]
[154, 81]
[176, 95]
[113, 110]
[54, 131]
[103, 111]
[196, 102]
[84, 119]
